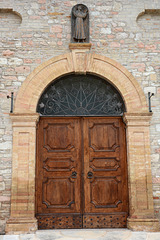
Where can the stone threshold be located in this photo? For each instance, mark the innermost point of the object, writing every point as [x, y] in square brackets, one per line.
[85, 234]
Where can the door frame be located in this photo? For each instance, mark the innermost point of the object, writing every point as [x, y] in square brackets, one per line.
[24, 120]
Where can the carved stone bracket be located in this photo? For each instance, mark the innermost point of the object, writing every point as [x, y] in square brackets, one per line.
[80, 56]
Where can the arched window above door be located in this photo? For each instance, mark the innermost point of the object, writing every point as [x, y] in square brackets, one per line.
[81, 95]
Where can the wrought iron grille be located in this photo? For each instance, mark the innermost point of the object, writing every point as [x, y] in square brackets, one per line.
[81, 95]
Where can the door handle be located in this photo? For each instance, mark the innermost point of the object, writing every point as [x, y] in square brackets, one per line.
[74, 174]
[90, 175]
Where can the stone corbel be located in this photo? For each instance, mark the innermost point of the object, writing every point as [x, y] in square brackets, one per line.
[80, 56]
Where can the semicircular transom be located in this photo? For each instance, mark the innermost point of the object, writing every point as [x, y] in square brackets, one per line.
[81, 95]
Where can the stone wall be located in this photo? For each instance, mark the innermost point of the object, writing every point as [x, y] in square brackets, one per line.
[35, 31]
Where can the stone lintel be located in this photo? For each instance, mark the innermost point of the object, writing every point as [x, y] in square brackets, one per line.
[21, 225]
[148, 225]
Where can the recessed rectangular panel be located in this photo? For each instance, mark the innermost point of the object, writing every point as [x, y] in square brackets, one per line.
[59, 137]
[60, 164]
[104, 164]
[103, 137]
[105, 192]
[58, 193]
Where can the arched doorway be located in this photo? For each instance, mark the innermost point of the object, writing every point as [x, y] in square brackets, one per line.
[24, 122]
[81, 155]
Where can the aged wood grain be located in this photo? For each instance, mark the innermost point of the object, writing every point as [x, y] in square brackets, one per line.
[81, 171]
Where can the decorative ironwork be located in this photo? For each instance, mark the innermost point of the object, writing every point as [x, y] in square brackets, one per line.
[81, 95]
[149, 100]
[59, 221]
[12, 96]
[105, 220]
[74, 174]
[90, 175]
[71, 221]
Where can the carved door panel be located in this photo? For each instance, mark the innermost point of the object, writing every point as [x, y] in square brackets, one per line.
[81, 174]
[105, 173]
[58, 177]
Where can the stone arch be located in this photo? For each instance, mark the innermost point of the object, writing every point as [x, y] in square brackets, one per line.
[24, 120]
[117, 75]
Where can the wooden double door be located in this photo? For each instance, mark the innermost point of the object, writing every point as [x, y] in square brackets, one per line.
[81, 173]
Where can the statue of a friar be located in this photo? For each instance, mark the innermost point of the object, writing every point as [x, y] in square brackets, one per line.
[80, 23]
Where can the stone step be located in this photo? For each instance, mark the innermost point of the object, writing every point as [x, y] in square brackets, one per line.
[89, 234]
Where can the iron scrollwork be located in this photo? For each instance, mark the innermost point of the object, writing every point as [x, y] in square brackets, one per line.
[81, 95]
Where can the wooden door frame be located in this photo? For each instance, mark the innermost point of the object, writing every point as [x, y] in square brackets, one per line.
[24, 120]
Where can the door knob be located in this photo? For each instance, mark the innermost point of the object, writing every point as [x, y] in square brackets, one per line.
[89, 174]
[74, 174]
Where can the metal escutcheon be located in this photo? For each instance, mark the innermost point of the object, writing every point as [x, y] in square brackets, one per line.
[89, 174]
[74, 174]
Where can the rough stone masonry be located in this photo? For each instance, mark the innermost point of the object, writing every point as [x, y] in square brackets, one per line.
[32, 32]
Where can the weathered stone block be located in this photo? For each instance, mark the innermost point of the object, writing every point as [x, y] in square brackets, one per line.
[2, 186]
[15, 61]
[3, 61]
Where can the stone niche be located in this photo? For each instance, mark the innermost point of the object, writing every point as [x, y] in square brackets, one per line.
[149, 20]
[10, 18]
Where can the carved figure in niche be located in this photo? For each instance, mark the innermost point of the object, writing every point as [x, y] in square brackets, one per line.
[80, 23]
[79, 33]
